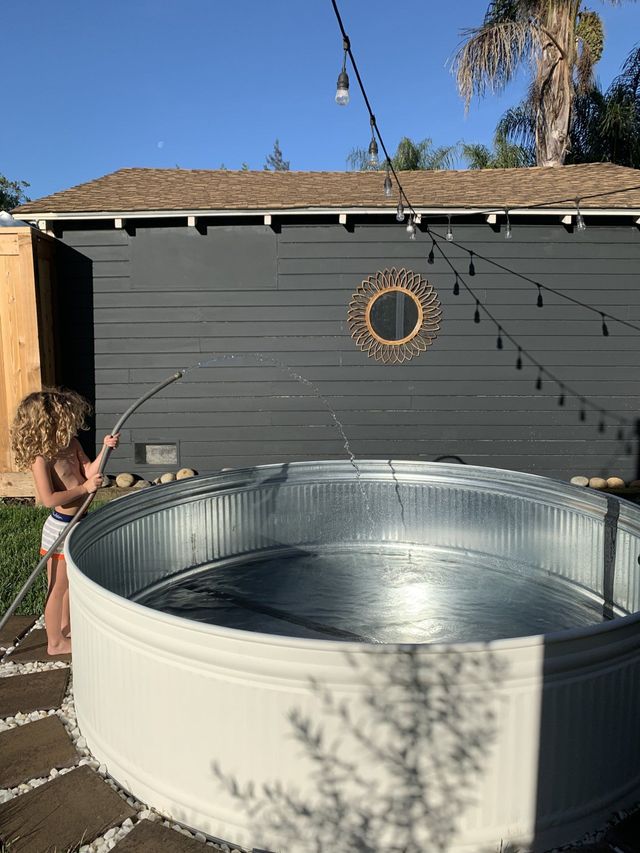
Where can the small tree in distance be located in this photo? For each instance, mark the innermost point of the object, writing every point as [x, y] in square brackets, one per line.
[12, 193]
[275, 161]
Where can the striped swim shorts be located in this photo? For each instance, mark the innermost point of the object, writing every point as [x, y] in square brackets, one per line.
[53, 527]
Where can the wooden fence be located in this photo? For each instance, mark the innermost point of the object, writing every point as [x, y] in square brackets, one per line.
[27, 334]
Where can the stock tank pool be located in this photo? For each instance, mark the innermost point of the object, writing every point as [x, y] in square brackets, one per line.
[421, 657]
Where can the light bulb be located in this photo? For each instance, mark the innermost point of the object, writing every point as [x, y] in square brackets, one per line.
[388, 187]
[449, 234]
[400, 212]
[580, 223]
[507, 232]
[342, 92]
[373, 154]
[411, 230]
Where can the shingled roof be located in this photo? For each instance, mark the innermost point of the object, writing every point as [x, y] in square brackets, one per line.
[597, 185]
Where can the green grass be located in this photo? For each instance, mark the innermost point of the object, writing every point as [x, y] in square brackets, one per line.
[20, 531]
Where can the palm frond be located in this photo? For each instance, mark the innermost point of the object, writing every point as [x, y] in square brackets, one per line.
[518, 124]
[491, 55]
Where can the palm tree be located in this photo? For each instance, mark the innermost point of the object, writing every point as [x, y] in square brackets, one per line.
[409, 156]
[504, 155]
[559, 40]
[605, 126]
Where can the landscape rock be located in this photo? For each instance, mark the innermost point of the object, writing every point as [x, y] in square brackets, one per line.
[125, 481]
[183, 473]
[615, 483]
[141, 484]
[106, 481]
[169, 477]
[598, 483]
[580, 481]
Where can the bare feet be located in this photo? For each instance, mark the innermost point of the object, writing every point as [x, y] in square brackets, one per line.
[61, 648]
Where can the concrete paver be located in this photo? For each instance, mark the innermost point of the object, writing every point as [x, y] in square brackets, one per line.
[33, 750]
[149, 837]
[70, 810]
[15, 628]
[33, 648]
[39, 691]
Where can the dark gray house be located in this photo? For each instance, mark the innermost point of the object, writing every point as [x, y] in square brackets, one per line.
[161, 269]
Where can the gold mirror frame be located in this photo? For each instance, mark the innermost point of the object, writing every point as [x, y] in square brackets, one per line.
[422, 335]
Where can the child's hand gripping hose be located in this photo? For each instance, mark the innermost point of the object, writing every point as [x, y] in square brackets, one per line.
[87, 501]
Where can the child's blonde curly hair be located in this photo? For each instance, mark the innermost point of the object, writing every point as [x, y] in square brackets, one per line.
[45, 423]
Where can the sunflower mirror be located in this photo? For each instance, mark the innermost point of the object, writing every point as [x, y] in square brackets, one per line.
[394, 315]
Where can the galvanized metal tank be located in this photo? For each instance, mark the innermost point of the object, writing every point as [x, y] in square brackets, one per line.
[349, 741]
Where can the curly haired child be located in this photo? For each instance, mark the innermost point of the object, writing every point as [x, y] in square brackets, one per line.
[43, 438]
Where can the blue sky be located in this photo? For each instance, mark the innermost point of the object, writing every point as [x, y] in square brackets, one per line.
[96, 86]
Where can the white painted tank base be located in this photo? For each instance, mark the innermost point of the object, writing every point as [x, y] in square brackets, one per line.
[299, 745]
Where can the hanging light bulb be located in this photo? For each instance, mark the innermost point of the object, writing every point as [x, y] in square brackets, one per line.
[373, 161]
[540, 301]
[605, 328]
[342, 91]
[519, 360]
[580, 223]
[456, 286]
[411, 229]
[561, 397]
[476, 316]
[472, 269]
[449, 234]
[583, 414]
[539, 380]
[400, 212]
[388, 186]
[507, 232]
[431, 256]
[499, 343]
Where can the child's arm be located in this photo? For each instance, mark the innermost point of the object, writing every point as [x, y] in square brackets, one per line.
[44, 487]
[90, 468]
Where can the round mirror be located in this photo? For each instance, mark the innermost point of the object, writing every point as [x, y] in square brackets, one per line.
[394, 316]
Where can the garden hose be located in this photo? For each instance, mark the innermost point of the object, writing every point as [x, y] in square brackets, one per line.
[87, 501]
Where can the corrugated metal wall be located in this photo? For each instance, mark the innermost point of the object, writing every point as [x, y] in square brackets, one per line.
[167, 297]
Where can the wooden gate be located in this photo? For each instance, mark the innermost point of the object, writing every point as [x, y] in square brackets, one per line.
[27, 334]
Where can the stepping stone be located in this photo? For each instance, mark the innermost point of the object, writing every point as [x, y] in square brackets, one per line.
[40, 691]
[149, 837]
[16, 627]
[33, 648]
[31, 751]
[68, 811]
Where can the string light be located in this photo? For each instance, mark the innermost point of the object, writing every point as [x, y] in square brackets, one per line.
[388, 186]
[342, 91]
[411, 229]
[449, 234]
[539, 301]
[400, 215]
[431, 256]
[507, 232]
[373, 146]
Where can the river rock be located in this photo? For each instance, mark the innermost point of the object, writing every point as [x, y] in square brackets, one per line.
[615, 483]
[580, 481]
[125, 481]
[598, 483]
[141, 484]
[106, 481]
[183, 473]
[169, 477]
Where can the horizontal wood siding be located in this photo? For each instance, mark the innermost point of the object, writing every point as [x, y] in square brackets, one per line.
[167, 298]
